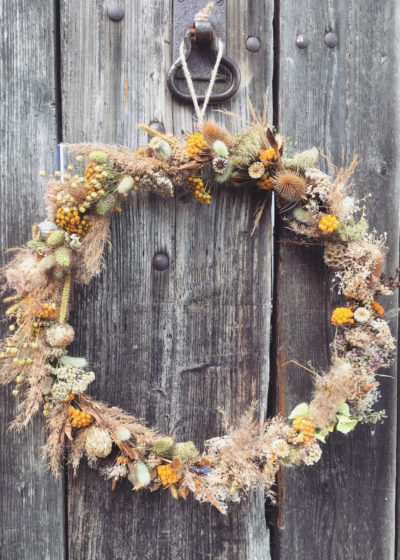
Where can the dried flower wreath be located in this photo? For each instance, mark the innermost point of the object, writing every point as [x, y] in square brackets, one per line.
[67, 247]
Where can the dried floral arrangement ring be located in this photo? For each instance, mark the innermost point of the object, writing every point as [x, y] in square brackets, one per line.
[66, 248]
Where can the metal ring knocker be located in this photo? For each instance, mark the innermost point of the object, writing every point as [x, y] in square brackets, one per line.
[203, 33]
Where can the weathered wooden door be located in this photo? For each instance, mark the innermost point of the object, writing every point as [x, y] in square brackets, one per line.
[175, 346]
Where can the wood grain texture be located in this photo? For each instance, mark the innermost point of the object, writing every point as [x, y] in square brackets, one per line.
[174, 346]
[343, 507]
[32, 501]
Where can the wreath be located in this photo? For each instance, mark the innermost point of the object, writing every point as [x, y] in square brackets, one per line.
[66, 249]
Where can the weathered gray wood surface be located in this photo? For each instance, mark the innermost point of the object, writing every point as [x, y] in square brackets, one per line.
[173, 346]
[32, 501]
[167, 346]
[344, 507]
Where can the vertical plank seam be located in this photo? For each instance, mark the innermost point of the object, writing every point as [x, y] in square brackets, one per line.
[59, 138]
[272, 513]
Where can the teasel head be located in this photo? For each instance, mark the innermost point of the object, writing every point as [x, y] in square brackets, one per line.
[290, 185]
[212, 132]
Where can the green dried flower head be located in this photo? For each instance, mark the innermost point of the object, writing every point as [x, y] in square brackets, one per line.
[185, 450]
[63, 257]
[55, 238]
[245, 148]
[98, 156]
[301, 161]
[349, 230]
[221, 149]
[106, 204]
[35, 245]
[163, 445]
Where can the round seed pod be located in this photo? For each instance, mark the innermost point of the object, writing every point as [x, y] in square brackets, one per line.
[60, 335]
[161, 149]
[98, 443]
[46, 227]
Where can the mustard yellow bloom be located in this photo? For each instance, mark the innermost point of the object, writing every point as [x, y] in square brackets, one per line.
[195, 144]
[268, 156]
[378, 308]
[342, 315]
[328, 224]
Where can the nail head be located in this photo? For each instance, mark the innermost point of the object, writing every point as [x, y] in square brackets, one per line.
[253, 44]
[160, 261]
[302, 41]
[331, 40]
[115, 12]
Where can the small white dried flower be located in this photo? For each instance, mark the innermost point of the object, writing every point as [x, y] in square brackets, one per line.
[98, 442]
[362, 315]
[280, 448]
[256, 170]
[124, 434]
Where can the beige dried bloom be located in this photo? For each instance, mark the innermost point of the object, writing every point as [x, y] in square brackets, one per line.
[362, 315]
[256, 170]
[280, 448]
[98, 442]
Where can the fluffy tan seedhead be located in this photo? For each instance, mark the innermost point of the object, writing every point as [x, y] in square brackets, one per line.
[213, 132]
[290, 185]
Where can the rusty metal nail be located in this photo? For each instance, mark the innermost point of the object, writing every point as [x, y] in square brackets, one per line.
[331, 40]
[115, 12]
[253, 44]
[157, 126]
[302, 41]
[160, 261]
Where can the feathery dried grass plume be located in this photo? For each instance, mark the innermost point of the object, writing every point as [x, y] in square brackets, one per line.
[92, 250]
[290, 185]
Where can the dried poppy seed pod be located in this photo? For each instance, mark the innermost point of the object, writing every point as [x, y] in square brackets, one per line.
[45, 228]
[98, 443]
[160, 148]
[60, 335]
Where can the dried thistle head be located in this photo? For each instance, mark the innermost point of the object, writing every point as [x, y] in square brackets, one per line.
[213, 132]
[290, 185]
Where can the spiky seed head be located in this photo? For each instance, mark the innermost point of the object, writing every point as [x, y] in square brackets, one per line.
[55, 238]
[219, 164]
[106, 204]
[221, 149]
[212, 132]
[98, 156]
[63, 257]
[256, 170]
[290, 185]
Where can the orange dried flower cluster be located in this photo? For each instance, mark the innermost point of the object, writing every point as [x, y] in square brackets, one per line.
[196, 186]
[268, 156]
[378, 308]
[122, 460]
[95, 177]
[328, 224]
[70, 397]
[78, 418]
[265, 183]
[72, 221]
[168, 475]
[49, 311]
[306, 427]
[342, 315]
[195, 144]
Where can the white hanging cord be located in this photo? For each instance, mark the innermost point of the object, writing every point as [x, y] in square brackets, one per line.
[203, 15]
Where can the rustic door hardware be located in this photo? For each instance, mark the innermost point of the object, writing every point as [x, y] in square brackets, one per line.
[201, 41]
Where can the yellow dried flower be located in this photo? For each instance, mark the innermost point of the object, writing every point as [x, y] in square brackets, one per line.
[268, 156]
[342, 315]
[378, 308]
[78, 418]
[195, 144]
[328, 224]
[265, 183]
[168, 475]
[306, 427]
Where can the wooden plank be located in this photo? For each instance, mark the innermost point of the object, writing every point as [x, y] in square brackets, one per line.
[32, 501]
[344, 507]
[171, 346]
